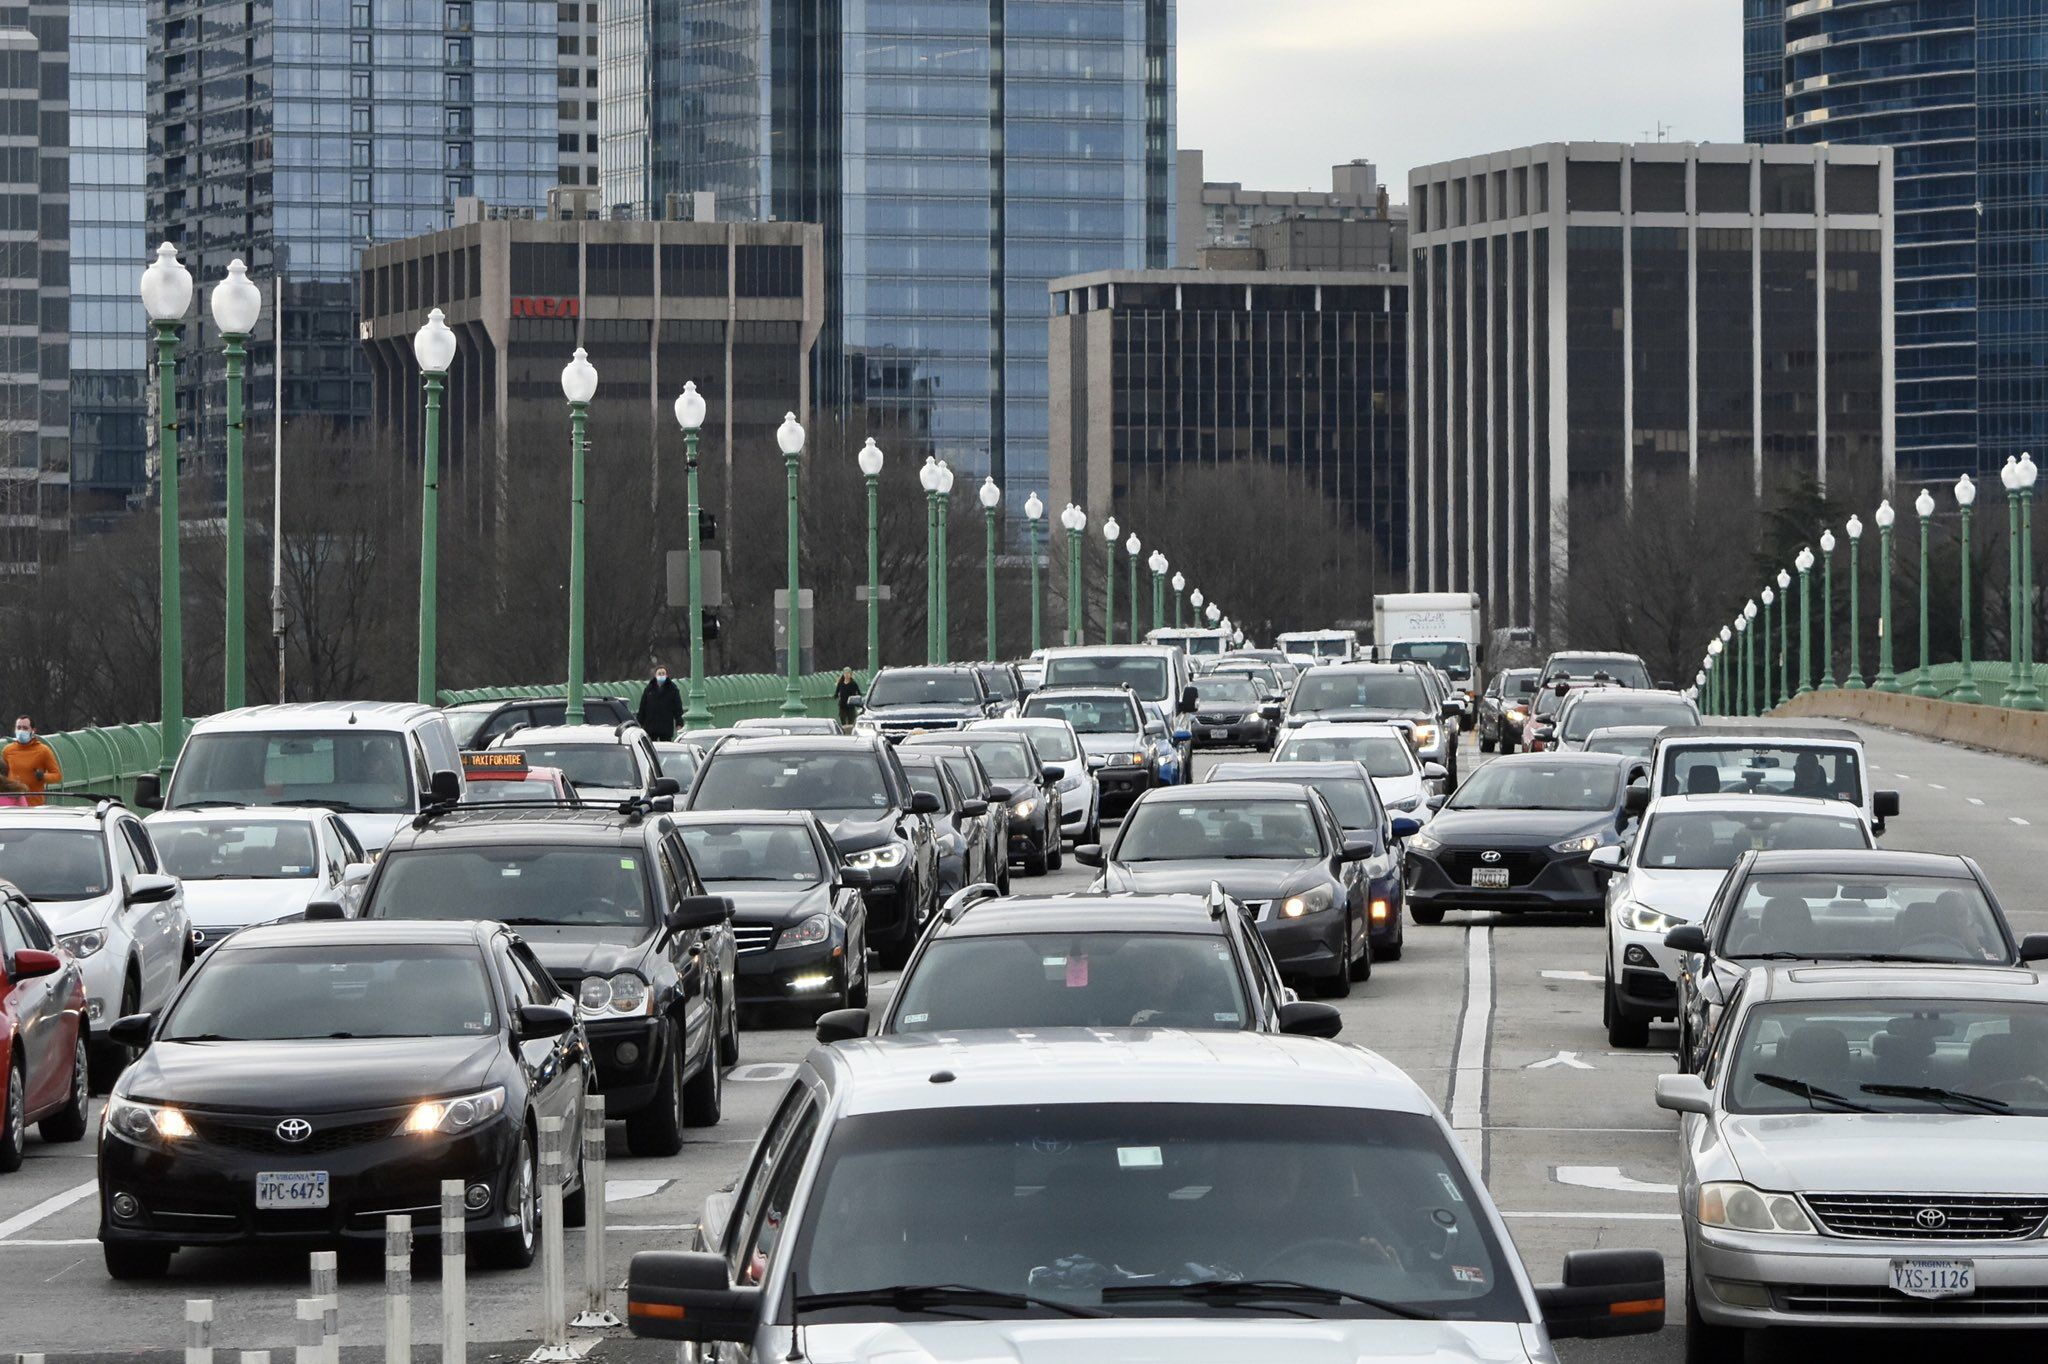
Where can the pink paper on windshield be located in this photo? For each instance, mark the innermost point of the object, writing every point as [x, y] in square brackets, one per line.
[1077, 973]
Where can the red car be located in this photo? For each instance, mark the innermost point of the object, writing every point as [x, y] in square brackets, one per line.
[42, 1032]
[500, 776]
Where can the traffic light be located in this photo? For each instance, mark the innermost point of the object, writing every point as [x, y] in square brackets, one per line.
[707, 526]
[710, 626]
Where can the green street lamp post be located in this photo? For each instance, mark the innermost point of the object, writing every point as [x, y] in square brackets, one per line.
[1076, 521]
[1715, 688]
[166, 294]
[1699, 688]
[1827, 610]
[1854, 680]
[236, 303]
[690, 416]
[1157, 563]
[991, 498]
[1784, 691]
[2019, 477]
[1725, 685]
[1034, 512]
[1804, 563]
[1180, 587]
[433, 345]
[579, 386]
[1886, 679]
[1195, 600]
[1110, 530]
[1749, 643]
[1966, 689]
[943, 481]
[928, 479]
[1131, 548]
[1923, 685]
[1766, 696]
[790, 437]
[871, 460]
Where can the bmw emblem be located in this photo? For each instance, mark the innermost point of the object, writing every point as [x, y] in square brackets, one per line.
[1931, 1219]
[294, 1129]
[1489, 856]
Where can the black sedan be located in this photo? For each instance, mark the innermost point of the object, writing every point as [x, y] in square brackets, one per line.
[309, 1078]
[1277, 848]
[1517, 834]
[966, 855]
[1504, 709]
[1027, 786]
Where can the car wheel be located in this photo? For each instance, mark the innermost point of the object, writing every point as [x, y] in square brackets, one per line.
[1392, 951]
[1361, 969]
[109, 1059]
[68, 1122]
[704, 1095]
[1706, 1343]
[14, 1122]
[1426, 914]
[1486, 745]
[1035, 863]
[657, 1130]
[1055, 852]
[1624, 1030]
[513, 1247]
[127, 1260]
[729, 1035]
[1337, 984]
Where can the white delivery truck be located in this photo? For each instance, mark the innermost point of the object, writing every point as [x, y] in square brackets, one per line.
[1443, 628]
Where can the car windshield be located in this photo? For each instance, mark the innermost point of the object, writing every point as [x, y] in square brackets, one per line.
[795, 780]
[1007, 759]
[1854, 918]
[1183, 830]
[1223, 690]
[276, 994]
[1448, 654]
[1097, 980]
[1604, 712]
[1384, 755]
[1074, 1201]
[601, 765]
[754, 852]
[594, 886]
[1534, 784]
[236, 849]
[1000, 681]
[1702, 840]
[1548, 702]
[1892, 1056]
[464, 724]
[924, 687]
[362, 772]
[1622, 669]
[1144, 676]
[1088, 715]
[1051, 743]
[54, 864]
[924, 781]
[1396, 691]
[1828, 772]
[1350, 798]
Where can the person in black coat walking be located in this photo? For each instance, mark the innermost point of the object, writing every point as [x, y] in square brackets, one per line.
[845, 694]
[661, 707]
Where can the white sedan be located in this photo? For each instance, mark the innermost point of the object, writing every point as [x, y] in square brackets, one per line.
[242, 867]
[1406, 784]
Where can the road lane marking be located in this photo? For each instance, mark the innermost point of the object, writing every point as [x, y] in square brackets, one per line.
[1936, 786]
[2016, 819]
[1584, 977]
[652, 1226]
[1569, 1059]
[56, 1203]
[1974, 800]
[80, 1241]
[1610, 1178]
[1468, 1063]
[626, 1190]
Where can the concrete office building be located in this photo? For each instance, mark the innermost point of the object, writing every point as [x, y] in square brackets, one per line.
[1153, 370]
[1589, 317]
[1955, 88]
[1224, 212]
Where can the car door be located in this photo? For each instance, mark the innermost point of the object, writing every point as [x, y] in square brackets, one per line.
[690, 953]
[757, 1234]
[29, 1007]
[143, 923]
[554, 1066]
[173, 927]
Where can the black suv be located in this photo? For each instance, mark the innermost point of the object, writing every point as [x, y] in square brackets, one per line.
[904, 701]
[610, 903]
[856, 785]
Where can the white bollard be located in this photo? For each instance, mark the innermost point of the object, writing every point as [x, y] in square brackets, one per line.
[554, 1291]
[26, 1358]
[596, 1311]
[327, 1288]
[198, 1331]
[255, 1357]
[398, 1289]
[454, 1302]
[310, 1348]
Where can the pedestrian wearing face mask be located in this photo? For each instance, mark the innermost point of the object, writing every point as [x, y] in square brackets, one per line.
[30, 761]
[661, 707]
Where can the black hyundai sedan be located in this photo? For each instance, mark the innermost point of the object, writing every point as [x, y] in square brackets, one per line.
[308, 1079]
[1517, 834]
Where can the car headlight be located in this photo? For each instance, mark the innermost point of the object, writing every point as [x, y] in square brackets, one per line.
[143, 1122]
[1311, 901]
[1423, 843]
[1408, 803]
[1643, 919]
[1422, 736]
[1572, 845]
[624, 993]
[1517, 713]
[888, 855]
[815, 929]
[83, 945]
[1739, 1207]
[459, 1114]
[1127, 759]
[1023, 808]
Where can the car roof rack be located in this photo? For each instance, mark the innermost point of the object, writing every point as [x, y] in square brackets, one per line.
[960, 901]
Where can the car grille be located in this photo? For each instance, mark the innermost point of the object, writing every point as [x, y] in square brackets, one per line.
[1878, 1300]
[749, 938]
[1921, 1217]
[1202, 719]
[912, 726]
[258, 1133]
[1523, 865]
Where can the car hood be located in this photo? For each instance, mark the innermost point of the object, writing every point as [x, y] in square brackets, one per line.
[1169, 1340]
[1959, 1153]
[578, 951]
[310, 1077]
[1247, 880]
[1102, 745]
[238, 904]
[374, 831]
[1515, 828]
[1682, 894]
[855, 830]
[759, 903]
[1360, 714]
[76, 916]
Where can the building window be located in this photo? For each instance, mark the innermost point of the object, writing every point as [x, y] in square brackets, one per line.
[359, 189]
[1852, 189]
[1788, 189]
[456, 88]
[359, 118]
[1721, 186]
[359, 154]
[359, 13]
[359, 85]
[359, 49]
[1592, 187]
[1657, 186]
[455, 51]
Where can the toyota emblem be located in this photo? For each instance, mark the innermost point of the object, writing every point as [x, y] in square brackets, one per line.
[294, 1129]
[1931, 1219]
[1489, 856]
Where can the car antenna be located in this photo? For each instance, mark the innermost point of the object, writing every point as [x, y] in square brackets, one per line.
[796, 1337]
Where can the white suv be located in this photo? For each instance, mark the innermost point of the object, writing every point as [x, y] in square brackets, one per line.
[605, 763]
[93, 874]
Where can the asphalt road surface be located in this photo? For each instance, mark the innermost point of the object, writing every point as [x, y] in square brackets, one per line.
[1498, 1017]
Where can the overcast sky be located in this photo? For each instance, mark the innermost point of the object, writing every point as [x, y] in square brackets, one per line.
[1275, 94]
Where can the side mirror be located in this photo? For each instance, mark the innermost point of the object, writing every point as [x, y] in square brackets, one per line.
[688, 1295]
[1189, 700]
[1053, 771]
[694, 912]
[1155, 729]
[1884, 804]
[1635, 800]
[537, 1021]
[1687, 938]
[1684, 1094]
[856, 704]
[998, 795]
[1181, 736]
[1435, 771]
[1436, 802]
[1604, 1293]
[1357, 847]
[664, 786]
[133, 1031]
[924, 803]
[324, 908]
[31, 962]
[1609, 858]
[149, 794]
[1305, 1018]
[148, 888]
[444, 787]
[355, 873]
[2034, 947]
[1449, 710]
[1096, 761]
[843, 1025]
[1404, 827]
[1088, 854]
[974, 808]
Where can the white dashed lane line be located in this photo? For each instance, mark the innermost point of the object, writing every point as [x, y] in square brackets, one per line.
[1936, 786]
[1974, 800]
[2016, 819]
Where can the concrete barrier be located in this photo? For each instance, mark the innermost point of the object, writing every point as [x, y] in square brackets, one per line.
[1995, 729]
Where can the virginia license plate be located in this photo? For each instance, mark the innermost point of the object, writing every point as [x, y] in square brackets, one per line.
[1934, 1278]
[1219, 734]
[291, 1189]
[1490, 878]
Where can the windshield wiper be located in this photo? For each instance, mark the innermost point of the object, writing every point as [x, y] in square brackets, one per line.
[532, 923]
[203, 1037]
[1249, 1292]
[937, 1297]
[1810, 1092]
[1937, 1094]
[341, 807]
[209, 805]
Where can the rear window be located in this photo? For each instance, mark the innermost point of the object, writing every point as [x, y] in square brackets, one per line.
[1622, 669]
[1606, 712]
[1387, 691]
[1854, 918]
[1144, 676]
[1770, 769]
[1102, 980]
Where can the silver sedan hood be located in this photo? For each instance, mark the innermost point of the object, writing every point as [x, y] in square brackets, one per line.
[1958, 1153]
[1172, 1340]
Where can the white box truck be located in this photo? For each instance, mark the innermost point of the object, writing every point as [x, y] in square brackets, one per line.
[1444, 628]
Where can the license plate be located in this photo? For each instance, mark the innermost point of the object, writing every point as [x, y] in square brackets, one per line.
[291, 1189]
[1219, 734]
[1490, 878]
[1934, 1278]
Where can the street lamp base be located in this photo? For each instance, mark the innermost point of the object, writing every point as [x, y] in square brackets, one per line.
[1854, 682]
[2026, 696]
[1924, 686]
[793, 704]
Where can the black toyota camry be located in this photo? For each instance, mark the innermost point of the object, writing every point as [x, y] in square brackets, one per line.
[308, 1079]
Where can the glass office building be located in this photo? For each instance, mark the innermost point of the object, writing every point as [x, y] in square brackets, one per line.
[1956, 88]
[959, 157]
